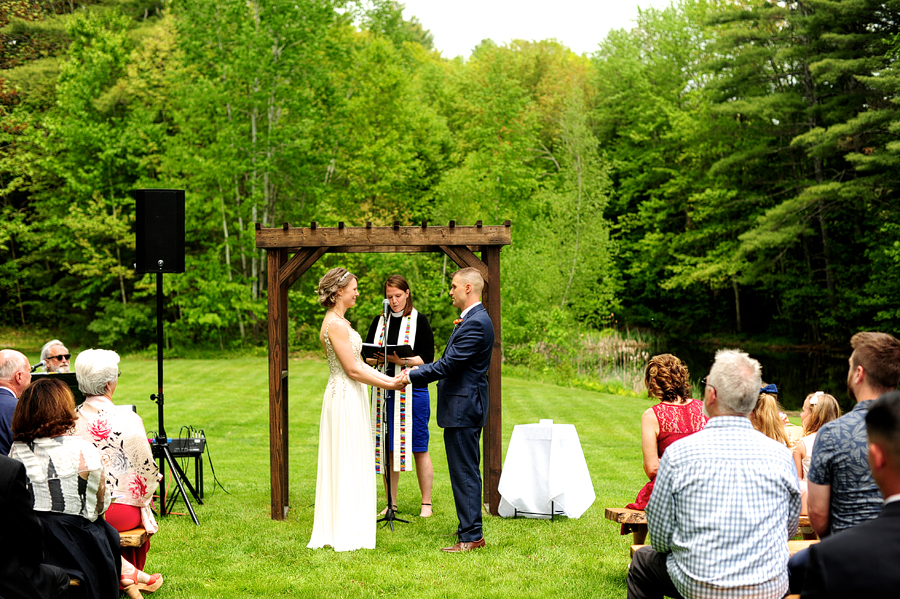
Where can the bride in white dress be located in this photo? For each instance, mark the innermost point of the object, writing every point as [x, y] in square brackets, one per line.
[345, 483]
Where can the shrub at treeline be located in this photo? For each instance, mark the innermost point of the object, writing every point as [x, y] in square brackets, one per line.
[723, 167]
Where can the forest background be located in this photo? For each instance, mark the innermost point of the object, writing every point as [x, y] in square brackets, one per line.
[722, 168]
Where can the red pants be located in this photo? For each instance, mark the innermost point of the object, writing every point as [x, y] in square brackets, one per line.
[126, 517]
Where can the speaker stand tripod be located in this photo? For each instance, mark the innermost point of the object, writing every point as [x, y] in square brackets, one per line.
[161, 449]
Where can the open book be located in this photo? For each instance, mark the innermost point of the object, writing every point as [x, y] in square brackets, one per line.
[370, 349]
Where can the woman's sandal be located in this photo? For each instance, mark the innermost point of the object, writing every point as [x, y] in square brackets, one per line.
[422, 513]
[384, 511]
[133, 588]
[154, 581]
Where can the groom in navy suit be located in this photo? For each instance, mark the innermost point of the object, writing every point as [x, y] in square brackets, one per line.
[462, 406]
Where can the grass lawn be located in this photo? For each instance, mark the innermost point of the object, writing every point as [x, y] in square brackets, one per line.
[238, 551]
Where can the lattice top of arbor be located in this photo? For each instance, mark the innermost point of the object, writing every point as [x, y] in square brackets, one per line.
[393, 239]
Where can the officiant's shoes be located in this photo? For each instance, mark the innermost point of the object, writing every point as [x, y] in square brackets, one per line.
[465, 546]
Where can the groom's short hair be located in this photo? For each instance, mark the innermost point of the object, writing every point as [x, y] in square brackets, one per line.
[471, 275]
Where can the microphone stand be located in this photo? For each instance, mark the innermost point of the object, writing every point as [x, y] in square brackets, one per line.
[390, 515]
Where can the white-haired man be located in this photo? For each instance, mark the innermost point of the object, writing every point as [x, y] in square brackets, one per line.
[15, 375]
[725, 502]
[55, 356]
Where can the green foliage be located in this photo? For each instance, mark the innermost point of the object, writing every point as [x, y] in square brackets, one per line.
[125, 327]
[717, 169]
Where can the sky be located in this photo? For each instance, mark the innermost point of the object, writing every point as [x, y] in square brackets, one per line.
[459, 25]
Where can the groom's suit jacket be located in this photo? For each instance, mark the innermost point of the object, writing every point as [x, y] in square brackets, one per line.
[462, 372]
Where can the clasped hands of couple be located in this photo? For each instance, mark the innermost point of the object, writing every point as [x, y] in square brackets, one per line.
[402, 379]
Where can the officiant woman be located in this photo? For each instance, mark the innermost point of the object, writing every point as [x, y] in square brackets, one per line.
[405, 434]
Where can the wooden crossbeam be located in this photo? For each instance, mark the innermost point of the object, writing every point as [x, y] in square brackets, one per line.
[397, 236]
[464, 257]
[299, 264]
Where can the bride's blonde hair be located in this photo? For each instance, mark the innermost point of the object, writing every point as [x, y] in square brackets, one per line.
[331, 284]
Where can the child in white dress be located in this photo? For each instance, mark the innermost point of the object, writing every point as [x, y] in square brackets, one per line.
[818, 409]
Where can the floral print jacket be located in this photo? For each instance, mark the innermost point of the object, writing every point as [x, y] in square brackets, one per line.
[119, 434]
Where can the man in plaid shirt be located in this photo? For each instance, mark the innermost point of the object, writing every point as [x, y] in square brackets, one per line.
[725, 503]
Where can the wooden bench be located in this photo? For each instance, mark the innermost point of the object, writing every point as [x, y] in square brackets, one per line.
[623, 515]
[637, 519]
[793, 546]
[133, 538]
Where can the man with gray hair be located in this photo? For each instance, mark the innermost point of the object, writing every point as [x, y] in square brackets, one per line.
[15, 375]
[725, 502]
[55, 356]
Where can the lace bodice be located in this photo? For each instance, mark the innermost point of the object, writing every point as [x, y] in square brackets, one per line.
[334, 365]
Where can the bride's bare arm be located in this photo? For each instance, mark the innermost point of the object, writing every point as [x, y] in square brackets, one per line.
[339, 333]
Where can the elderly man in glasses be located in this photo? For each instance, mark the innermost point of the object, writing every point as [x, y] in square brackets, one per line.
[55, 356]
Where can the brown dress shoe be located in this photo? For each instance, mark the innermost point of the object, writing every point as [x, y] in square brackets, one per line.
[465, 546]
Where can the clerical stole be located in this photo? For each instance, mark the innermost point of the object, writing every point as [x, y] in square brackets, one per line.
[401, 434]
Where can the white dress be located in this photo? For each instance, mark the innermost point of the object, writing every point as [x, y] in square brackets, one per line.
[345, 483]
[809, 440]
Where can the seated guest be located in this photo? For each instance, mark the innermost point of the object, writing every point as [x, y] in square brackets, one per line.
[67, 483]
[15, 375]
[724, 504]
[119, 434]
[55, 356]
[862, 561]
[675, 416]
[766, 416]
[819, 409]
[22, 573]
[841, 491]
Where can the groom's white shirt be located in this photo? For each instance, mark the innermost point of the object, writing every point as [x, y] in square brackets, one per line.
[466, 311]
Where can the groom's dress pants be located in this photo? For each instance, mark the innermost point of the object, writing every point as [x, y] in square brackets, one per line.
[463, 460]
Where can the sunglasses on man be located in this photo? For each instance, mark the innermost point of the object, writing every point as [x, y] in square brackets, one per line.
[60, 357]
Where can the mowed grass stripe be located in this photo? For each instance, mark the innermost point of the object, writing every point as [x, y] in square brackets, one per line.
[238, 551]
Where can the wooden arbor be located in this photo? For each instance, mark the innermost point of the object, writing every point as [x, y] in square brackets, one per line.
[310, 244]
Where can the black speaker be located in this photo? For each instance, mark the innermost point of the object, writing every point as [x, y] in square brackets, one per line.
[159, 230]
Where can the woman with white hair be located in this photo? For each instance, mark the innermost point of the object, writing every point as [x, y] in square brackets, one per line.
[119, 434]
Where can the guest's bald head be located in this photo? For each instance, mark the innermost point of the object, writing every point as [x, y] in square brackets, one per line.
[15, 371]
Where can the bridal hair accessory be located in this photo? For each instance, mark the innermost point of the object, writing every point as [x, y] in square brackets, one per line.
[457, 321]
[815, 398]
[770, 388]
[341, 280]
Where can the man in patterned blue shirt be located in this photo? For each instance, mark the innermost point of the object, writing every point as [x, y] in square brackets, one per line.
[842, 492]
[725, 502]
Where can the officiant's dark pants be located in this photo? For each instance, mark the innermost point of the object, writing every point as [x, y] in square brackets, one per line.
[463, 459]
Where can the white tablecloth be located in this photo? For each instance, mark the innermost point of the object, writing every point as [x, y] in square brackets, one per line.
[544, 464]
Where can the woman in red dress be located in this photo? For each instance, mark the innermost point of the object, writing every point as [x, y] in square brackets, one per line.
[674, 417]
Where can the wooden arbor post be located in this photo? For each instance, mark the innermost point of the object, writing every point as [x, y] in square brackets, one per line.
[310, 244]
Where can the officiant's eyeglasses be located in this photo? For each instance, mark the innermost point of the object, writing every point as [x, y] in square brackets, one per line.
[704, 384]
[60, 357]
